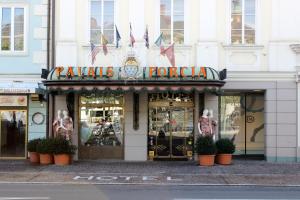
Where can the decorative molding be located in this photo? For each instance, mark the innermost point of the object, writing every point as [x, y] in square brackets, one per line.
[243, 47]
[295, 48]
[260, 76]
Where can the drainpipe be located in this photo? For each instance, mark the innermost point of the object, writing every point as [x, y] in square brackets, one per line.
[48, 63]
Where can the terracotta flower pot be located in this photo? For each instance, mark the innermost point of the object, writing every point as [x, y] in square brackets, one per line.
[224, 159]
[206, 160]
[62, 159]
[46, 159]
[34, 157]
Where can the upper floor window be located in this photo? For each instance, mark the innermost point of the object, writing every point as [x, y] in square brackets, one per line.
[12, 29]
[102, 20]
[172, 20]
[243, 21]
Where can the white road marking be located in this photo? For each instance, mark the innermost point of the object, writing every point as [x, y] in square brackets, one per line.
[24, 198]
[226, 199]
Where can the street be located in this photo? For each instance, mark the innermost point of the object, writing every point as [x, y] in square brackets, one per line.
[145, 192]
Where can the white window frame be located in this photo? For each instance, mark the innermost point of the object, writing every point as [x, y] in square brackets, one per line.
[12, 50]
[243, 24]
[102, 9]
[185, 28]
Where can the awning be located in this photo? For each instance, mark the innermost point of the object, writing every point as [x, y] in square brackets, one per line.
[81, 79]
[16, 87]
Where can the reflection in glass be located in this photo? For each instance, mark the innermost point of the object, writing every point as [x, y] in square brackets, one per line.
[6, 29]
[19, 29]
[236, 36]
[13, 133]
[101, 124]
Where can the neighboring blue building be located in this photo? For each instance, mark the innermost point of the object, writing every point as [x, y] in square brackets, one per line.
[23, 53]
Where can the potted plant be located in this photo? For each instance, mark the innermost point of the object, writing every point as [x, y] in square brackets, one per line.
[225, 149]
[45, 149]
[34, 157]
[206, 150]
[63, 151]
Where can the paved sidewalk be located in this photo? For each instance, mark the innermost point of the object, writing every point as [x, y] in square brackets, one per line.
[242, 172]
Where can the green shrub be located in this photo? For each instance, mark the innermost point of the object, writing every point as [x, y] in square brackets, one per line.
[45, 146]
[62, 146]
[32, 144]
[205, 145]
[225, 146]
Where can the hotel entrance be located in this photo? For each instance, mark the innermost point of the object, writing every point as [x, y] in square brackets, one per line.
[171, 129]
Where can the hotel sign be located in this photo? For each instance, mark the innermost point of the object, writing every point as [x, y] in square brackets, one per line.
[131, 72]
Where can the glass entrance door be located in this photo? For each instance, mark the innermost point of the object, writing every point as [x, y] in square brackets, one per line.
[171, 129]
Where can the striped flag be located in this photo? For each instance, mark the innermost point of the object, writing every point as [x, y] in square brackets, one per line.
[159, 43]
[104, 44]
[146, 37]
[94, 51]
[132, 40]
[118, 37]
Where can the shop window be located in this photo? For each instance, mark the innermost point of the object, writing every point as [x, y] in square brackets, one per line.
[172, 21]
[242, 120]
[243, 23]
[101, 120]
[13, 126]
[102, 20]
[12, 29]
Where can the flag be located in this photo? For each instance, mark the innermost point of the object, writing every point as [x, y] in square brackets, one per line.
[104, 44]
[94, 51]
[159, 43]
[146, 37]
[169, 52]
[132, 40]
[118, 37]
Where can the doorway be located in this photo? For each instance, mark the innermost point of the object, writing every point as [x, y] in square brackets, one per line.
[171, 129]
[242, 120]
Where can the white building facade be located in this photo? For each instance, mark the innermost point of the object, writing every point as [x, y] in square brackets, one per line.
[258, 42]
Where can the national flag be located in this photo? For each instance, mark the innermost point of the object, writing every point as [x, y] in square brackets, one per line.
[159, 43]
[118, 37]
[94, 51]
[146, 37]
[104, 44]
[132, 40]
[169, 52]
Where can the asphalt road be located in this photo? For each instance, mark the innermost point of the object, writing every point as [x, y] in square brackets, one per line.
[142, 192]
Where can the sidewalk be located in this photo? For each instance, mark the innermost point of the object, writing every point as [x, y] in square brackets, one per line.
[242, 172]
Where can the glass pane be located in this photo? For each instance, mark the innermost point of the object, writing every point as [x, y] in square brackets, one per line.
[19, 29]
[178, 22]
[109, 35]
[13, 133]
[249, 22]
[236, 22]
[96, 8]
[108, 8]
[165, 7]
[232, 121]
[178, 6]
[101, 124]
[236, 36]
[236, 6]
[250, 36]
[6, 29]
[250, 7]
[95, 36]
[96, 22]
[166, 36]
[165, 21]
[178, 36]
[255, 137]
[108, 22]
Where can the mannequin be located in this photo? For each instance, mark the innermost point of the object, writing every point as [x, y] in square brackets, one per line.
[68, 125]
[206, 125]
[58, 123]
